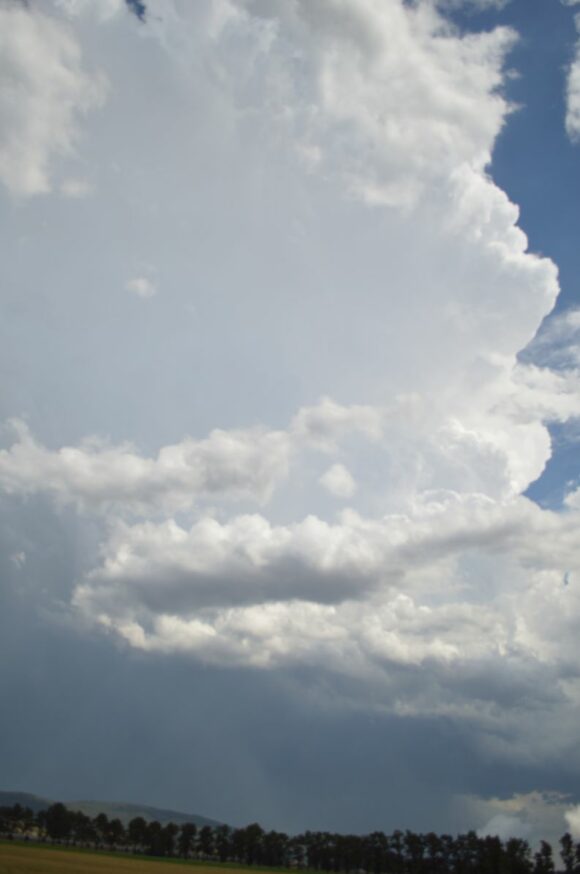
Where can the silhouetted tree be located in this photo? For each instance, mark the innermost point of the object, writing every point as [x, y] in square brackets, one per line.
[115, 833]
[396, 843]
[376, 847]
[297, 852]
[274, 850]
[543, 859]
[168, 834]
[101, 823]
[186, 840]
[83, 828]
[518, 856]
[137, 833]
[58, 822]
[223, 842]
[376, 853]
[414, 851]
[154, 838]
[205, 841]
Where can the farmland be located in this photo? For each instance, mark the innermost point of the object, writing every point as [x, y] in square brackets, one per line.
[18, 859]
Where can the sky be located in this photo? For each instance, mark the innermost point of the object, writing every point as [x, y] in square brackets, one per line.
[290, 410]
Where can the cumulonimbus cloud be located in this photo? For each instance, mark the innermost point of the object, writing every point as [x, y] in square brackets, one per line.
[441, 585]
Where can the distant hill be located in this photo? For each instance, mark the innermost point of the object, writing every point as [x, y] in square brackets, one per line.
[126, 812]
[35, 802]
[120, 809]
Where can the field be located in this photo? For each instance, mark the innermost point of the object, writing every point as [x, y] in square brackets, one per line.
[19, 859]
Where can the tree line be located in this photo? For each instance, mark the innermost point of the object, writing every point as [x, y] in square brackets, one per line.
[377, 853]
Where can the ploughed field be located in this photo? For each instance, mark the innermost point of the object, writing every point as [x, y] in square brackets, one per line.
[35, 859]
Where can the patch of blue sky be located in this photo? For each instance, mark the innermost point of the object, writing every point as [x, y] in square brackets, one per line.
[138, 8]
[538, 166]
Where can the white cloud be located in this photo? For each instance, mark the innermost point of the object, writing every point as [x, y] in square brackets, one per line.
[573, 100]
[238, 465]
[474, 4]
[572, 817]
[533, 816]
[476, 451]
[572, 499]
[325, 423]
[416, 100]
[105, 10]
[465, 594]
[506, 827]
[141, 286]
[573, 88]
[44, 90]
[338, 481]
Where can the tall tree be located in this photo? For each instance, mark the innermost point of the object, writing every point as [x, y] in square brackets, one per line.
[101, 823]
[543, 859]
[518, 856]
[414, 851]
[154, 844]
[115, 833]
[58, 822]
[186, 839]
[169, 833]
[137, 833]
[223, 842]
[83, 828]
[567, 852]
[205, 841]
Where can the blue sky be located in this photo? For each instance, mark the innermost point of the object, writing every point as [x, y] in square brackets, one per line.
[288, 461]
[537, 164]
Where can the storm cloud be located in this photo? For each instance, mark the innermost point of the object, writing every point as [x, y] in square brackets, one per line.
[295, 456]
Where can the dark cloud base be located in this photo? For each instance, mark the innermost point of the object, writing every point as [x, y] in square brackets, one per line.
[88, 720]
